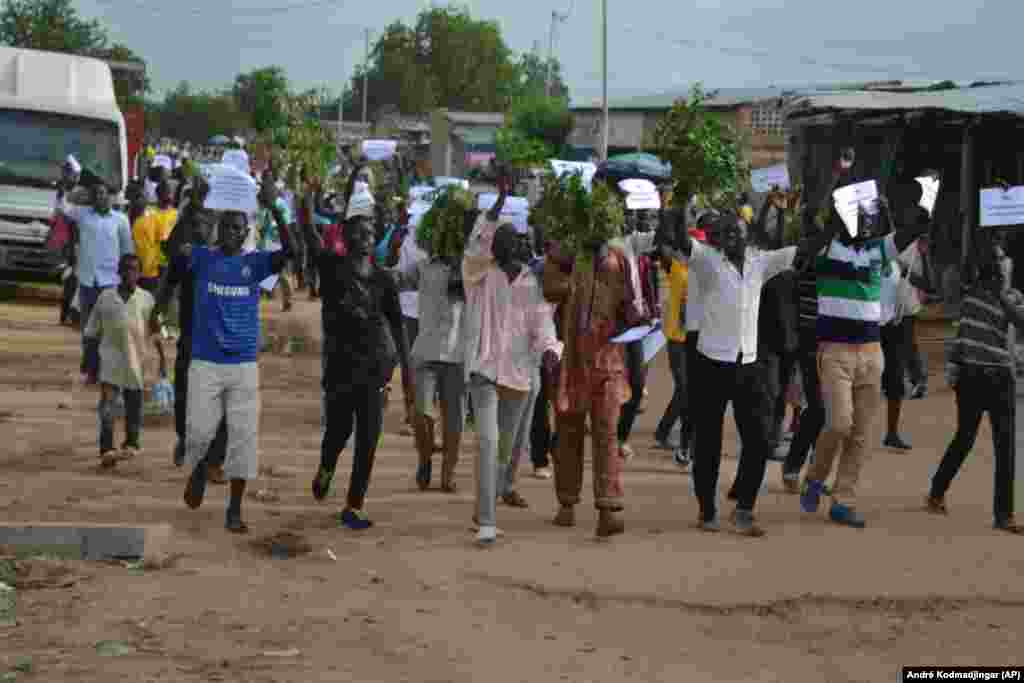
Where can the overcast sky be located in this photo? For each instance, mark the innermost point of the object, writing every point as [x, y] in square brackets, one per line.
[739, 43]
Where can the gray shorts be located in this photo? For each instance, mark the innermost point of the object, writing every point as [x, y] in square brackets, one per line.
[216, 391]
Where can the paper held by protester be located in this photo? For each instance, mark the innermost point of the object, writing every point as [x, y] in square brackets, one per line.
[1001, 208]
[636, 333]
[417, 211]
[929, 193]
[425, 192]
[770, 178]
[236, 158]
[637, 186]
[643, 200]
[652, 344]
[163, 161]
[516, 210]
[849, 201]
[584, 169]
[445, 181]
[231, 190]
[379, 150]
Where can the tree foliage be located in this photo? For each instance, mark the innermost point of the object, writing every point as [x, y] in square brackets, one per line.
[262, 95]
[56, 26]
[537, 128]
[195, 116]
[308, 149]
[532, 77]
[705, 153]
[447, 58]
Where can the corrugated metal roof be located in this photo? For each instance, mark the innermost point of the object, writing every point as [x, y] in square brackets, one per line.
[997, 98]
[475, 118]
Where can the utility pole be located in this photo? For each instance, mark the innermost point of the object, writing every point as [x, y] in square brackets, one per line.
[604, 80]
[366, 75]
[556, 18]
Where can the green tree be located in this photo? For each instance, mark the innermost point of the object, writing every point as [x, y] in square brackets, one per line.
[262, 95]
[56, 26]
[532, 77]
[537, 129]
[446, 59]
[194, 116]
[705, 153]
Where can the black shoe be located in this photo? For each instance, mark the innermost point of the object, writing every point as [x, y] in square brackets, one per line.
[235, 525]
[896, 441]
[179, 454]
[195, 490]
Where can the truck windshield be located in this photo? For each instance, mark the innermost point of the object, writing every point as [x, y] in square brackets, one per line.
[34, 145]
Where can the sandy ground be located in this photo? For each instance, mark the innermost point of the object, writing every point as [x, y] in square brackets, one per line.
[413, 600]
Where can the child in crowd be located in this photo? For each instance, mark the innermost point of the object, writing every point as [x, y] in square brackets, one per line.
[120, 320]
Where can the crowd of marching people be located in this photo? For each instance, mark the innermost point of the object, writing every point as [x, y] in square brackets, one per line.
[513, 333]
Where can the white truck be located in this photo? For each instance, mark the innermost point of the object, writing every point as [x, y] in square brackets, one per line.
[51, 105]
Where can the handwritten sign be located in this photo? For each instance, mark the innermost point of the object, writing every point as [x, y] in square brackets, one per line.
[766, 179]
[929, 194]
[379, 150]
[425, 192]
[1000, 208]
[445, 181]
[515, 211]
[643, 200]
[231, 190]
[584, 169]
[236, 158]
[849, 200]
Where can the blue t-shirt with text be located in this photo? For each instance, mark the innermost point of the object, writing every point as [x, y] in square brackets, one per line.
[226, 305]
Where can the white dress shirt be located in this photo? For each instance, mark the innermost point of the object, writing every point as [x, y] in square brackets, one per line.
[731, 300]
[694, 303]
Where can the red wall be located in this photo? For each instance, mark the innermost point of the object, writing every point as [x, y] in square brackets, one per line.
[135, 131]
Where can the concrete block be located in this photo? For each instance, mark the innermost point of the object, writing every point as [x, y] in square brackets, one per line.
[87, 541]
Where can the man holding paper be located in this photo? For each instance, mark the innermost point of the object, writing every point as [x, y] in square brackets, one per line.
[223, 377]
[731, 277]
[850, 360]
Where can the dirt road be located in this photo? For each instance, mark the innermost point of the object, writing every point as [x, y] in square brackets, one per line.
[413, 600]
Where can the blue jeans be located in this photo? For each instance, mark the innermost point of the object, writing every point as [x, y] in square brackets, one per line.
[498, 414]
[87, 297]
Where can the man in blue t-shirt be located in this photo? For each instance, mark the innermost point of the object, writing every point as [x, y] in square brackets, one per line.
[223, 378]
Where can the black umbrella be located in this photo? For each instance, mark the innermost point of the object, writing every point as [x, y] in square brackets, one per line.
[636, 165]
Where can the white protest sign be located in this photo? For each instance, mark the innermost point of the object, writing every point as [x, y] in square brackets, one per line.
[1000, 208]
[516, 210]
[417, 211]
[637, 186]
[643, 200]
[851, 198]
[445, 181]
[425, 192]
[585, 169]
[929, 193]
[653, 343]
[236, 158]
[163, 161]
[231, 190]
[765, 179]
[379, 150]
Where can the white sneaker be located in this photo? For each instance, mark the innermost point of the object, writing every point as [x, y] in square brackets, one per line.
[487, 535]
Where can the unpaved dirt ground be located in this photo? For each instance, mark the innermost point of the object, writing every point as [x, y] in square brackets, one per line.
[413, 600]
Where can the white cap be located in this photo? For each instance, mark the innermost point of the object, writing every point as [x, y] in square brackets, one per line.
[73, 163]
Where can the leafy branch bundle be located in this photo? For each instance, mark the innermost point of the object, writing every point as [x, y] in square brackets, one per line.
[441, 232]
[580, 221]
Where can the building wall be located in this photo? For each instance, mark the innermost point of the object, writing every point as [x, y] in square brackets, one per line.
[629, 130]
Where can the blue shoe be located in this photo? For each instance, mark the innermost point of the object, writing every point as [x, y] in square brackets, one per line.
[355, 520]
[844, 514]
[811, 496]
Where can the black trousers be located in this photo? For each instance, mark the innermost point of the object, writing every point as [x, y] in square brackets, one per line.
[812, 421]
[67, 296]
[896, 351]
[312, 272]
[678, 407]
[693, 360]
[787, 363]
[218, 449]
[132, 420]
[542, 440]
[637, 372]
[916, 367]
[359, 407]
[745, 387]
[983, 390]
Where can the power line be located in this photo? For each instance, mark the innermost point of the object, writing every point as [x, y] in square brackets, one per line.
[772, 55]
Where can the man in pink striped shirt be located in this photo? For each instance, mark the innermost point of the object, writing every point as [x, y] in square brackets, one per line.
[508, 328]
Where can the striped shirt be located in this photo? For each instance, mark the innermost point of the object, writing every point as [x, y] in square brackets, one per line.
[849, 284]
[984, 333]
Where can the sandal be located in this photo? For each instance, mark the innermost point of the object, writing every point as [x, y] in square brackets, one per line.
[109, 458]
[514, 500]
